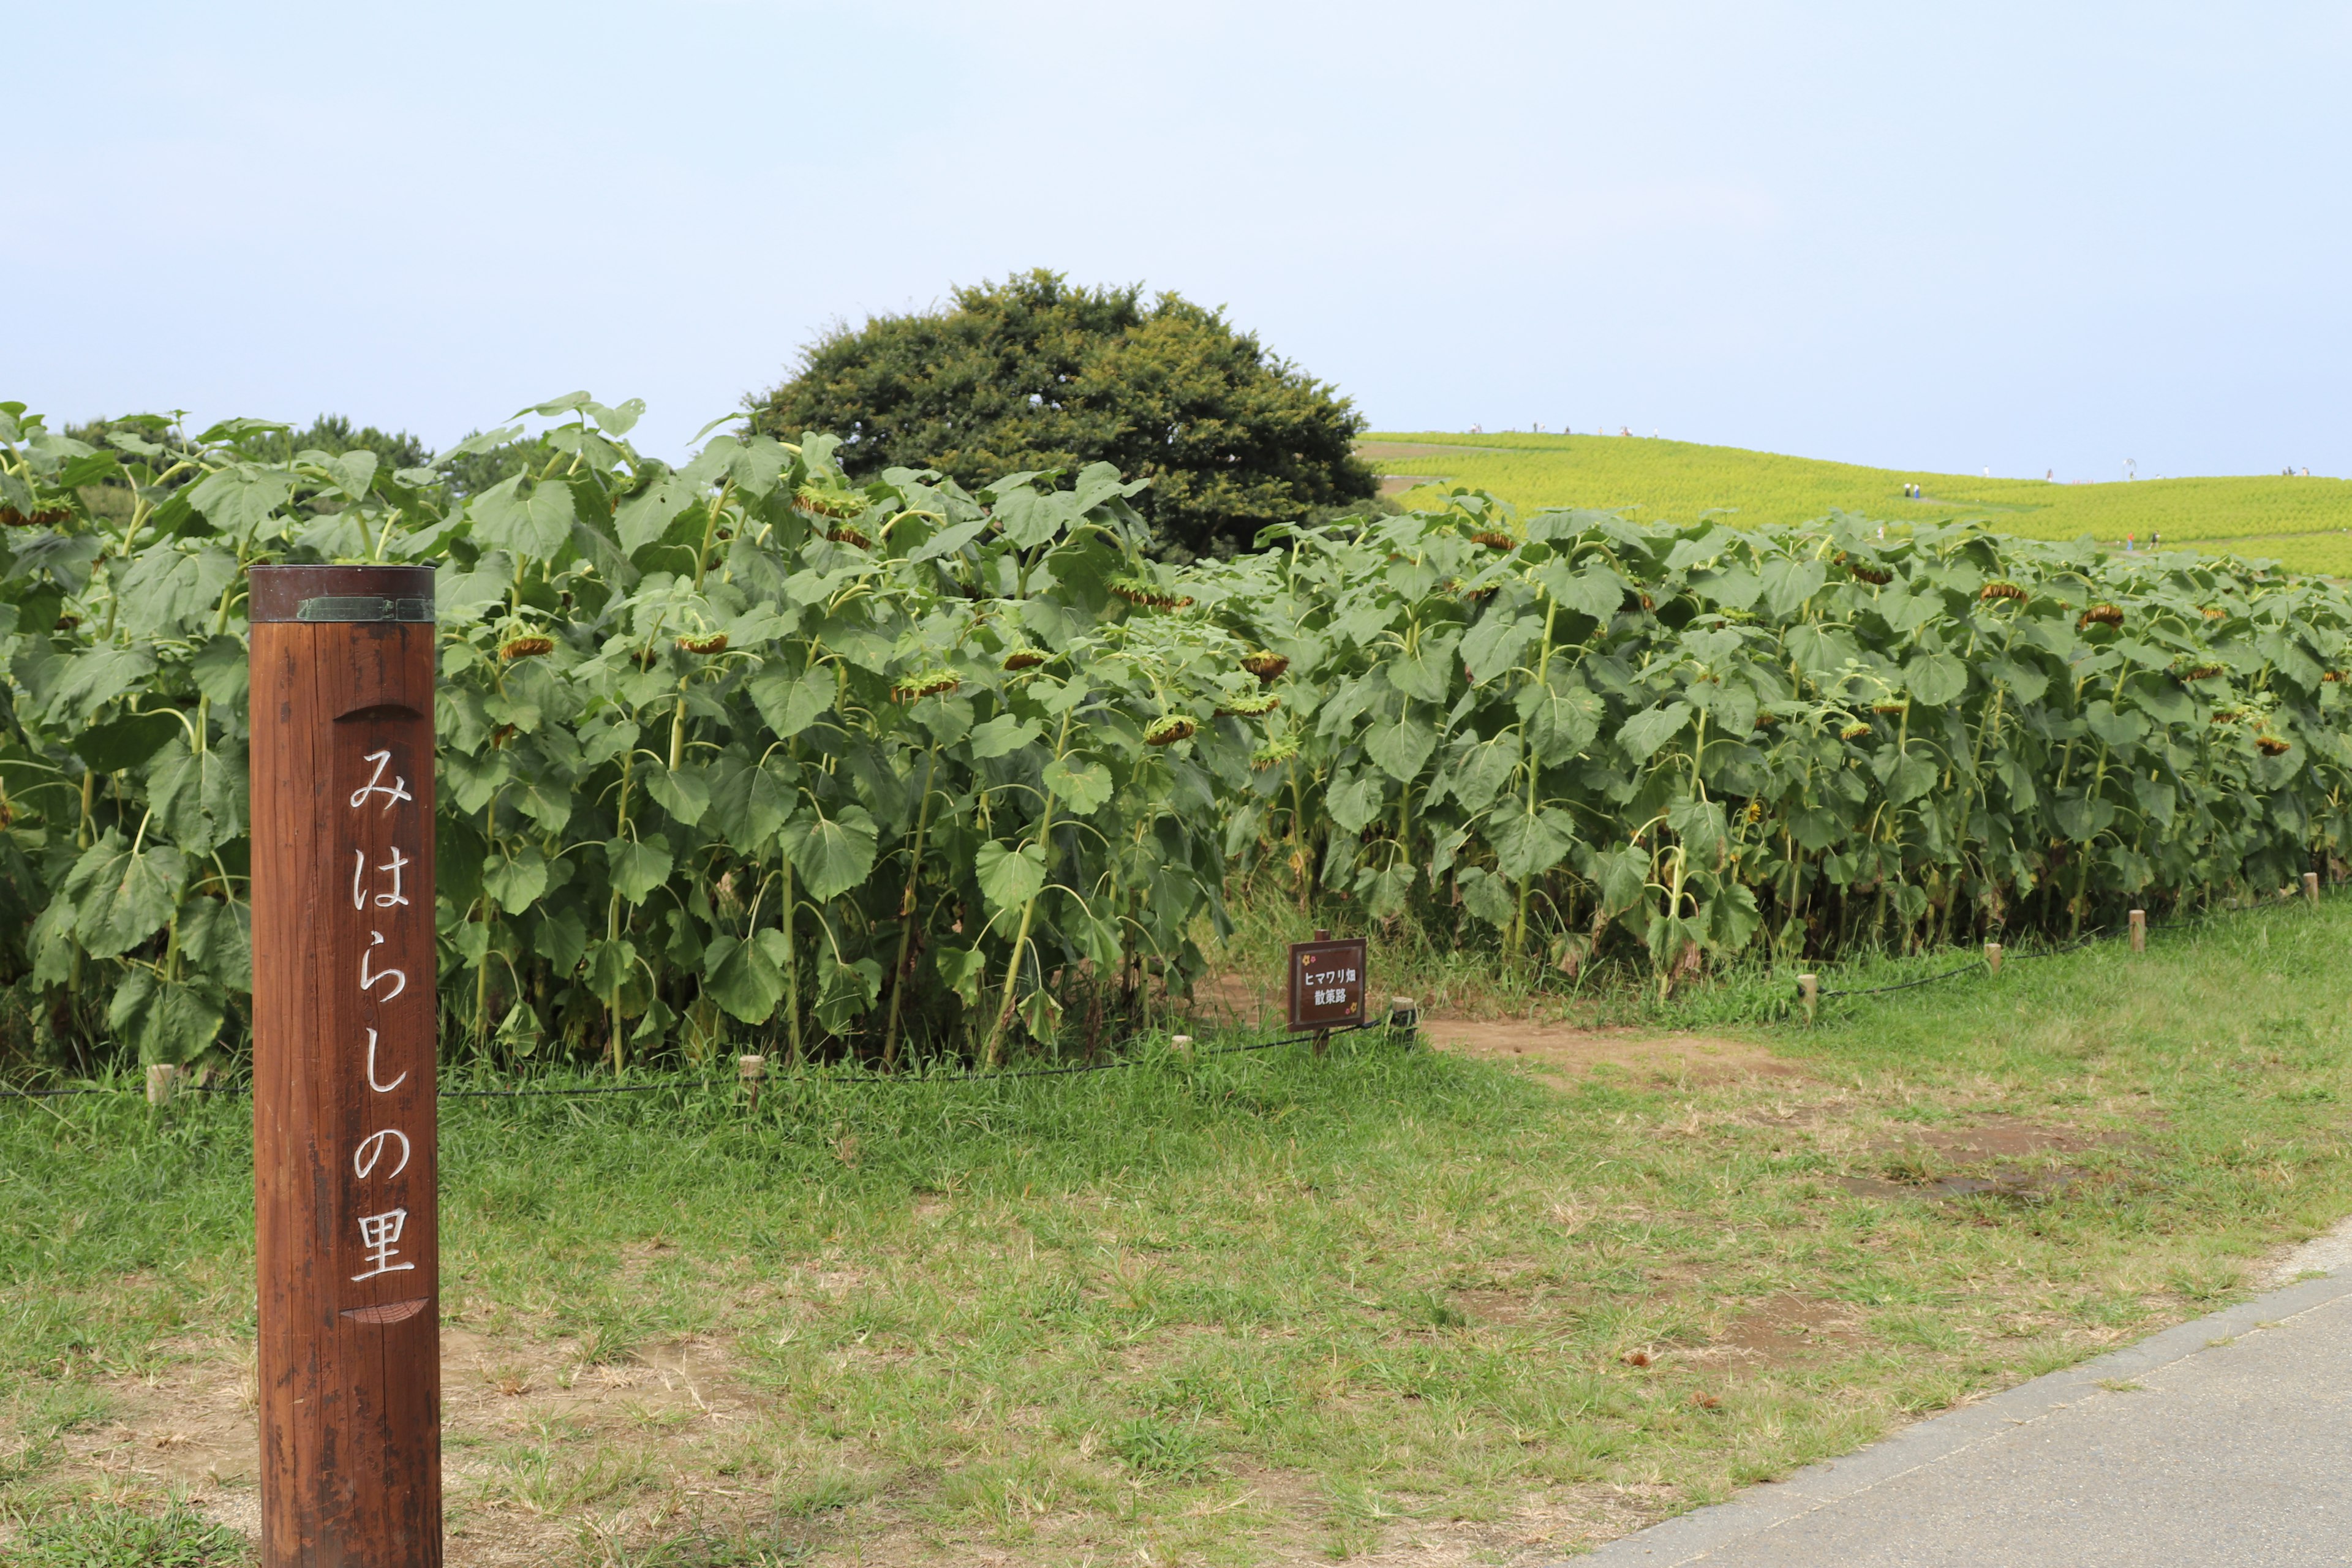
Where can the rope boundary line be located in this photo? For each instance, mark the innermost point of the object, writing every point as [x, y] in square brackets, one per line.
[866, 1080]
[2077, 945]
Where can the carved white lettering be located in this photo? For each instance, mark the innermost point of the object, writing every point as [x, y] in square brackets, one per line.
[380, 1088]
[378, 1232]
[398, 863]
[370, 1153]
[368, 978]
[396, 791]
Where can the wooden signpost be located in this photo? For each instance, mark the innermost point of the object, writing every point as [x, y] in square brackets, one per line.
[1325, 985]
[344, 1159]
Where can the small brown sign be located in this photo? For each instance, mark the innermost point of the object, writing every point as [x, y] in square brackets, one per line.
[1327, 984]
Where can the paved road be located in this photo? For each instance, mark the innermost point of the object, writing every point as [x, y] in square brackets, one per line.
[2235, 1447]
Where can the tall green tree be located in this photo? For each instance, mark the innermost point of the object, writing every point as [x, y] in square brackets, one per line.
[1037, 374]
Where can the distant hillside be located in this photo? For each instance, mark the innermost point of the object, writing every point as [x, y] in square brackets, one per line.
[2301, 523]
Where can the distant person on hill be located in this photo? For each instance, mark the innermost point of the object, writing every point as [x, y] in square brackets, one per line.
[2048, 474]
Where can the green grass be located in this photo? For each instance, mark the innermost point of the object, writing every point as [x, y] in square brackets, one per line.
[2302, 523]
[1253, 1308]
[110, 1535]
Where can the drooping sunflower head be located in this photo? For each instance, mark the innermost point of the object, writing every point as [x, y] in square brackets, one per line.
[1252, 707]
[39, 517]
[821, 501]
[925, 683]
[1274, 752]
[1146, 595]
[1169, 729]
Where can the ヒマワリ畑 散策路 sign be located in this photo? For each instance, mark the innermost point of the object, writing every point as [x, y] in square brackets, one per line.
[1327, 984]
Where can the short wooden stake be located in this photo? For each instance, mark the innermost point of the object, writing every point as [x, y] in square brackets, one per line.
[2311, 887]
[1181, 1043]
[751, 1069]
[2140, 931]
[1404, 1016]
[162, 1082]
[1809, 988]
[1993, 956]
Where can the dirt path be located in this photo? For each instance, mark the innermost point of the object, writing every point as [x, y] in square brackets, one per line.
[1564, 1050]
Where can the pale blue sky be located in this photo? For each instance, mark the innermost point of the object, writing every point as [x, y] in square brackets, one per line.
[2005, 235]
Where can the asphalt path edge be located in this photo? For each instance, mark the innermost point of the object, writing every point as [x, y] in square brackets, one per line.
[1693, 1537]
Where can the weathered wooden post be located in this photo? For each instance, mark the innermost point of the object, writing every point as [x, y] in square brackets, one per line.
[344, 1046]
[1992, 957]
[2140, 931]
[1808, 991]
[2311, 887]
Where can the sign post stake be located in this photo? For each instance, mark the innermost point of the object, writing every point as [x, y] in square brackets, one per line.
[345, 1162]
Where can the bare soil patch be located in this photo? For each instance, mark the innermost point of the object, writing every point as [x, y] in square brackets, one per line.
[1786, 1330]
[1999, 1157]
[193, 1427]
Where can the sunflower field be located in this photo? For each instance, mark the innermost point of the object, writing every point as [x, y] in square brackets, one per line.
[739, 755]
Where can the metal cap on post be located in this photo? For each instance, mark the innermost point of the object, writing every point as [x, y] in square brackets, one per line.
[345, 1167]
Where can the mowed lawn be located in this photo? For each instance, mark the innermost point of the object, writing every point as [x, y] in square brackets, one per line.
[2302, 523]
[1256, 1308]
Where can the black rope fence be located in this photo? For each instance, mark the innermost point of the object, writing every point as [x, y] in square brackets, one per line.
[1970, 966]
[1399, 1021]
[1404, 1020]
[2205, 917]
